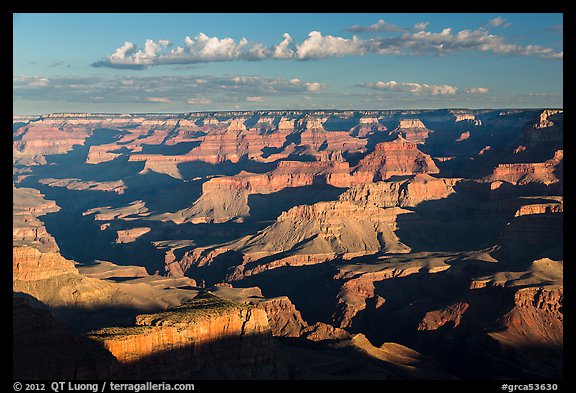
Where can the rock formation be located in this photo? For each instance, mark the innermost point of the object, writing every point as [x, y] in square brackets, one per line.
[401, 193]
[331, 249]
[92, 299]
[535, 320]
[205, 338]
[130, 235]
[358, 281]
[27, 229]
[107, 213]
[327, 229]
[266, 124]
[226, 198]
[117, 186]
[283, 318]
[307, 235]
[534, 229]
[285, 321]
[413, 130]
[40, 138]
[318, 139]
[398, 157]
[436, 319]
[29, 264]
[367, 126]
[548, 129]
[464, 136]
[466, 117]
[523, 173]
[532, 329]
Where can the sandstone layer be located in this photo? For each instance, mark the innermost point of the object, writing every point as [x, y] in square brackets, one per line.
[396, 158]
[206, 338]
[27, 229]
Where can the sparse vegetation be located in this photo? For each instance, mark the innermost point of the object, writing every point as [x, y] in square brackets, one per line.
[203, 306]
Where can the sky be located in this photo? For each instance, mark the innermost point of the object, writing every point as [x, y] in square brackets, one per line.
[122, 63]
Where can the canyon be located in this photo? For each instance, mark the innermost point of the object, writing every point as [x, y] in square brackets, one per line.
[284, 244]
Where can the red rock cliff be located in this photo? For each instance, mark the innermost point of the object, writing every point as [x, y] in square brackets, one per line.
[206, 338]
[30, 264]
[398, 157]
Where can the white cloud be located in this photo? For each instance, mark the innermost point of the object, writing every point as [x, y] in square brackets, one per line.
[190, 89]
[120, 54]
[295, 81]
[540, 51]
[499, 22]
[556, 28]
[199, 101]
[380, 26]
[200, 49]
[141, 57]
[313, 86]
[203, 49]
[421, 26]
[532, 94]
[257, 52]
[464, 40]
[477, 90]
[158, 99]
[412, 88]
[283, 50]
[40, 82]
[317, 46]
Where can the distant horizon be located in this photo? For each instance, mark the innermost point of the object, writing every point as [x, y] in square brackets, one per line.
[290, 110]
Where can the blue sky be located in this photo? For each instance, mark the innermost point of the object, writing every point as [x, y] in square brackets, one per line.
[197, 62]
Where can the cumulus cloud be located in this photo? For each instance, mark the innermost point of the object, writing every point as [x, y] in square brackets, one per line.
[283, 49]
[540, 51]
[380, 26]
[317, 46]
[412, 88]
[421, 26]
[200, 49]
[128, 56]
[192, 90]
[257, 52]
[499, 22]
[203, 49]
[465, 40]
[477, 90]
[118, 56]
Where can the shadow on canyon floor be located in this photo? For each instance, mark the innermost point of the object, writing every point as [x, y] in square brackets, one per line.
[410, 316]
[256, 356]
[269, 206]
[311, 288]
